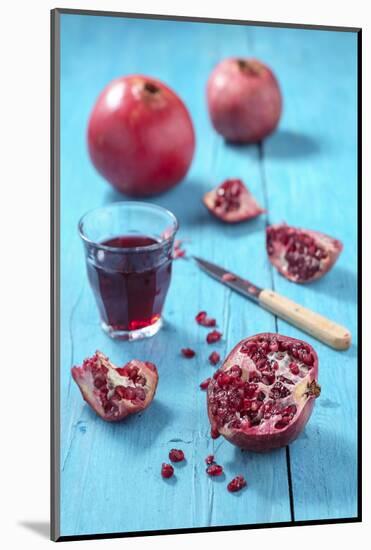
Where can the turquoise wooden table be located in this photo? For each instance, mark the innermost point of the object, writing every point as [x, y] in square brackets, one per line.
[305, 174]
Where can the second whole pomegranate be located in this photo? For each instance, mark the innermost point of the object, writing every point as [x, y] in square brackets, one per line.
[244, 100]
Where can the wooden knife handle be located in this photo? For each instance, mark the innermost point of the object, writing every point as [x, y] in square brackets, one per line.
[314, 324]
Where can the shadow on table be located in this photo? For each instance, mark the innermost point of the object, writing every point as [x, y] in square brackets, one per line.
[41, 528]
[283, 144]
[343, 285]
[184, 200]
[287, 144]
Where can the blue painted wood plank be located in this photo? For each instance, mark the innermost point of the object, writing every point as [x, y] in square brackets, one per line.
[103, 463]
[310, 168]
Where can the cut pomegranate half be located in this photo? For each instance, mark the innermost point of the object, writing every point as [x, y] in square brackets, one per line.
[115, 392]
[232, 202]
[301, 255]
[257, 400]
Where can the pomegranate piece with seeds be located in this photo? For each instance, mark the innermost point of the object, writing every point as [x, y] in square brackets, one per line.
[188, 352]
[263, 395]
[205, 321]
[116, 392]
[301, 255]
[214, 358]
[232, 202]
[167, 470]
[236, 484]
[213, 336]
[176, 455]
[214, 470]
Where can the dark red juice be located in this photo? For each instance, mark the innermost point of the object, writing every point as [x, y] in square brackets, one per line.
[130, 284]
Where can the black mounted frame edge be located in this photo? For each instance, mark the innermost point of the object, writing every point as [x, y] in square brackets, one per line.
[55, 272]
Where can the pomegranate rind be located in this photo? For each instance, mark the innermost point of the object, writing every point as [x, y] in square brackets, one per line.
[248, 209]
[276, 251]
[83, 376]
[266, 437]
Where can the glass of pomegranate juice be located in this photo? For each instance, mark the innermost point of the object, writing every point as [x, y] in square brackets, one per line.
[128, 248]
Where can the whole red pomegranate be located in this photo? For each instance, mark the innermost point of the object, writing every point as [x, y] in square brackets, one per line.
[115, 392]
[263, 395]
[232, 202]
[301, 255]
[140, 136]
[244, 100]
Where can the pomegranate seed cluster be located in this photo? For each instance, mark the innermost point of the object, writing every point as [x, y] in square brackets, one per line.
[227, 195]
[302, 254]
[249, 397]
[109, 391]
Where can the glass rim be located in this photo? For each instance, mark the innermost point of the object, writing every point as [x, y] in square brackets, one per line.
[145, 248]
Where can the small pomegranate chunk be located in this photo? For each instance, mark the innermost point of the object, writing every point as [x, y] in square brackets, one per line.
[205, 321]
[236, 484]
[116, 392]
[214, 470]
[204, 385]
[232, 202]
[176, 455]
[263, 395]
[167, 470]
[188, 352]
[209, 459]
[301, 255]
[213, 336]
[214, 358]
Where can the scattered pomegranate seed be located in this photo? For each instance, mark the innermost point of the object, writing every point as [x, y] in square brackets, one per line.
[205, 321]
[214, 358]
[176, 455]
[214, 470]
[205, 384]
[167, 470]
[229, 277]
[213, 336]
[210, 459]
[236, 484]
[188, 352]
[178, 252]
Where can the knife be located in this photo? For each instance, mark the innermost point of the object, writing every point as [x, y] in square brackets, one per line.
[316, 325]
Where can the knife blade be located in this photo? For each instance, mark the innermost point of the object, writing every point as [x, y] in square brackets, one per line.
[318, 326]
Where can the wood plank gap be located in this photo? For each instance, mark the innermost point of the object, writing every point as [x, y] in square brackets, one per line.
[266, 206]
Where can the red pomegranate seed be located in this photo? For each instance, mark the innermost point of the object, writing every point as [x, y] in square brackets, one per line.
[188, 352]
[294, 368]
[209, 459]
[178, 253]
[236, 484]
[214, 358]
[176, 455]
[214, 470]
[213, 336]
[205, 321]
[167, 470]
[205, 384]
